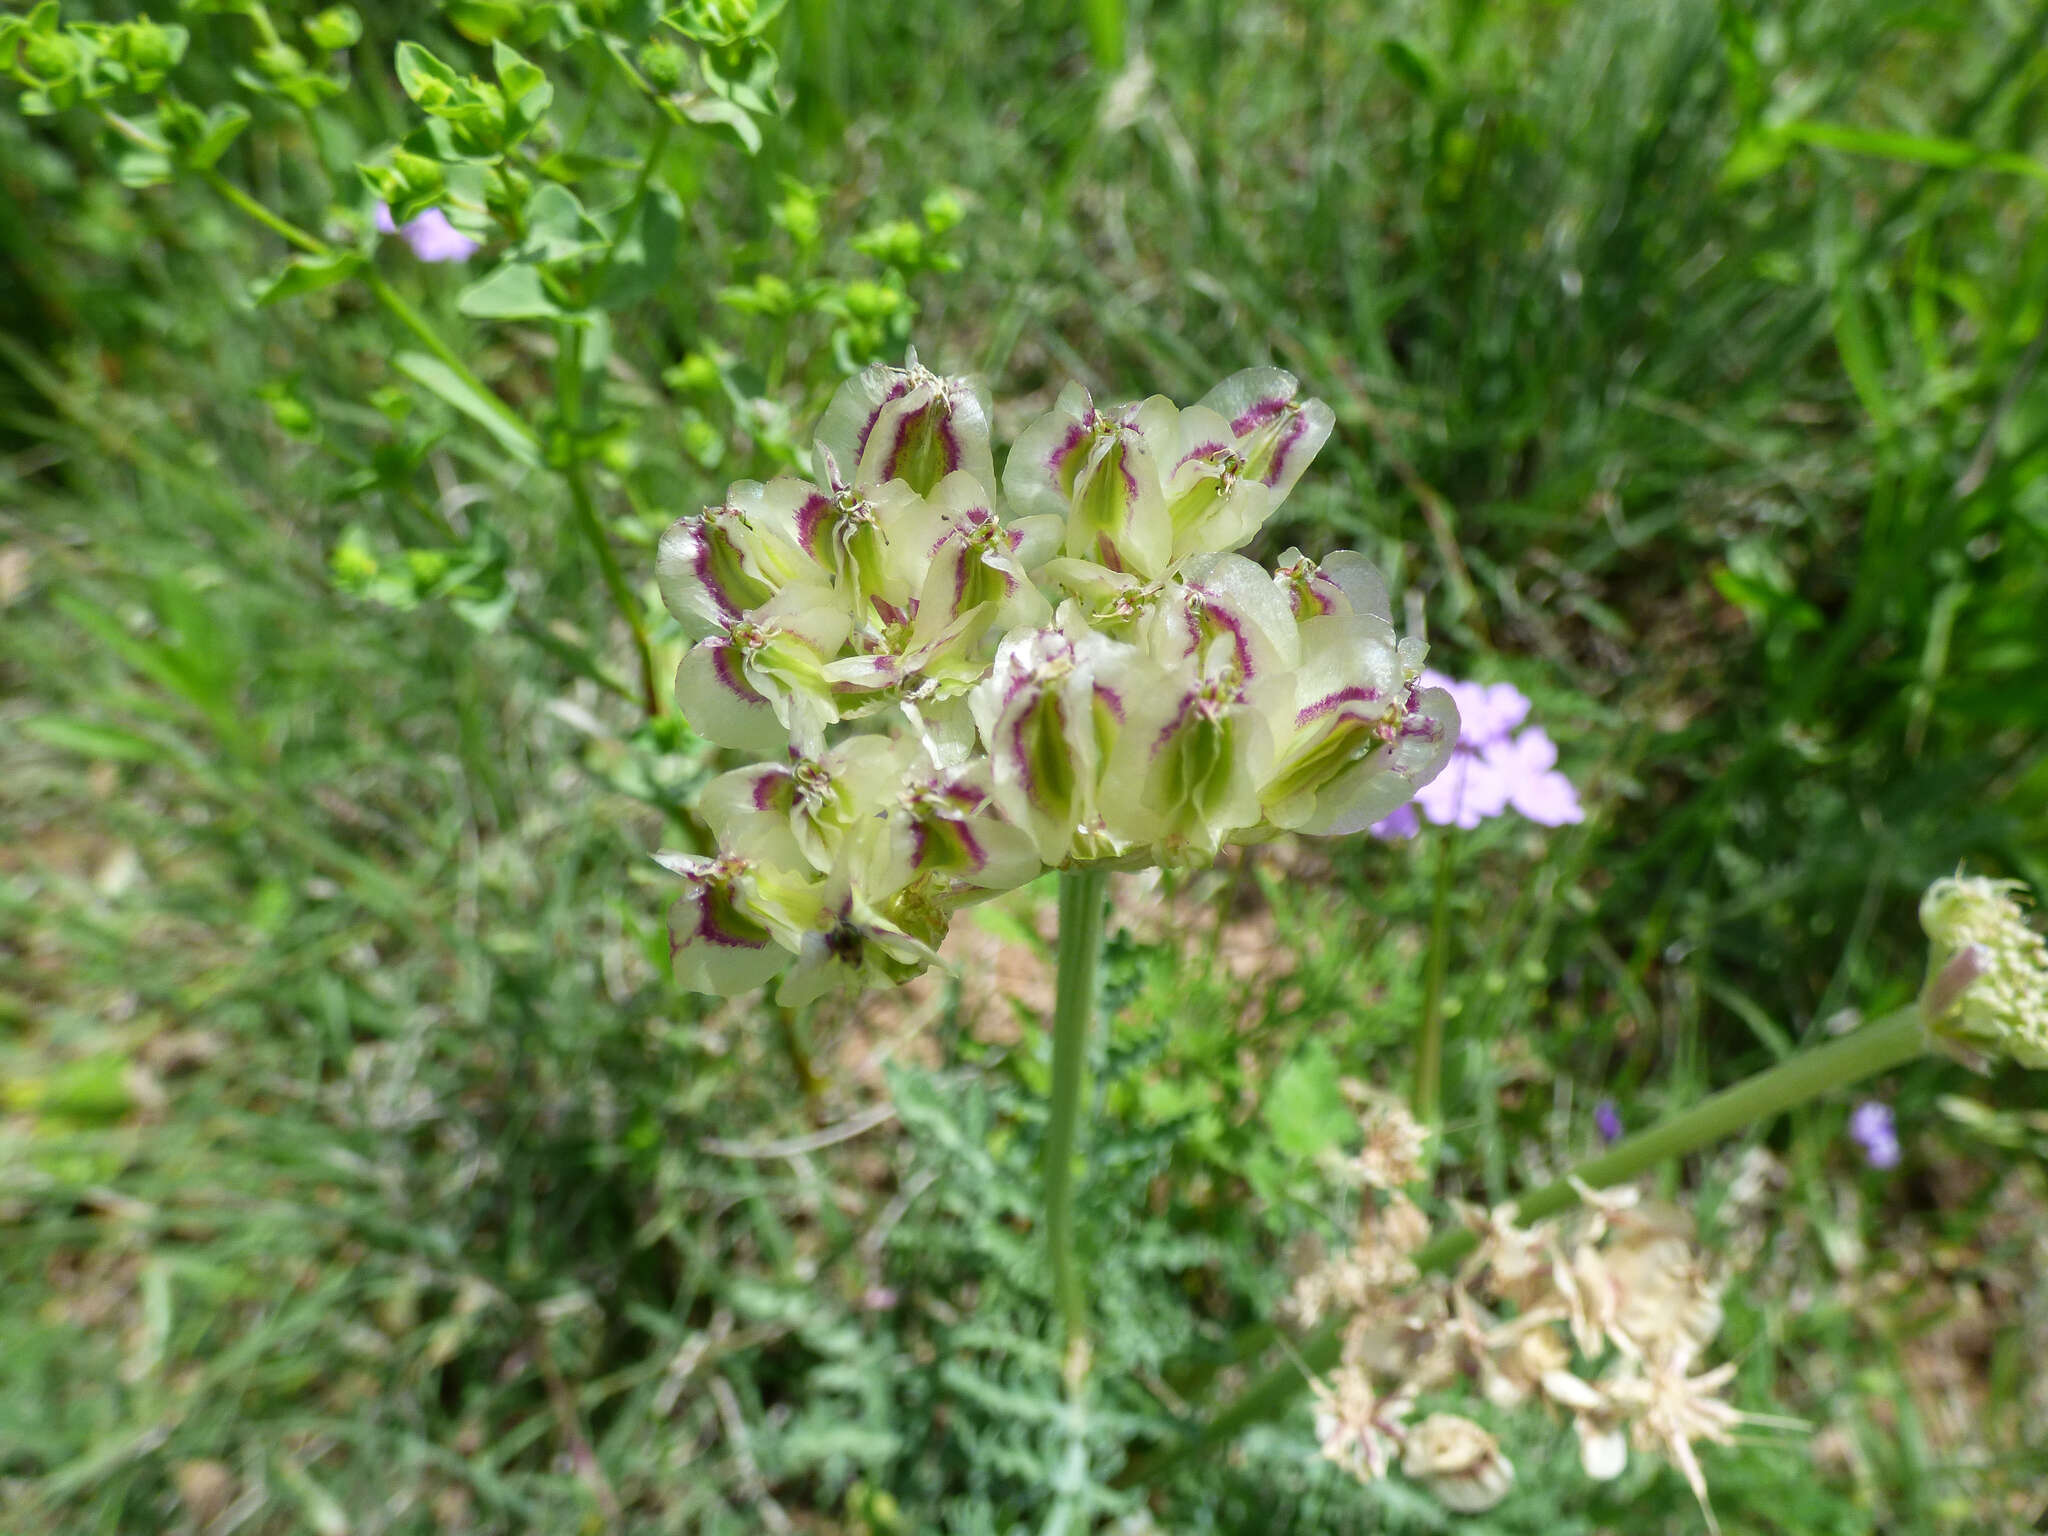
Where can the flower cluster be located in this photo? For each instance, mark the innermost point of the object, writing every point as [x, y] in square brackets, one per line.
[1493, 768]
[1603, 1315]
[951, 691]
[1982, 943]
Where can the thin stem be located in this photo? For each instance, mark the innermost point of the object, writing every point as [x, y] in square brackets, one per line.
[1429, 1048]
[569, 396]
[1083, 895]
[312, 245]
[798, 1050]
[1890, 1042]
[411, 319]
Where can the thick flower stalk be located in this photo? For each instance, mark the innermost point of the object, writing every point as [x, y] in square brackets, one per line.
[951, 690]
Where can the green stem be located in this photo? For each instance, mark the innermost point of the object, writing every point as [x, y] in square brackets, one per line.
[413, 321]
[569, 396]
[797, 1049]
[1082, 899]
[312, 245]
[1890, 1042]
[1429, 1049]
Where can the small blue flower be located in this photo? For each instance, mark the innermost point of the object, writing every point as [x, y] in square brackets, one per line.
[1871, 1127]
[1607, 1120]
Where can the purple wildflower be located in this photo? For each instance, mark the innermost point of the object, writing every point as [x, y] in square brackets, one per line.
[1491, 768]
[1607, 1121]
[1400, 824]
[431, 236]
[1872, 1128]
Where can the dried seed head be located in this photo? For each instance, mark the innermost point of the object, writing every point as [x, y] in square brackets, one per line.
[1458, 1462]
[1394, 1143]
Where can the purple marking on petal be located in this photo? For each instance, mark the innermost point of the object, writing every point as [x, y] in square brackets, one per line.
[1288, 439]
[889, 612]
[766, 786]
[707, 922]
[946, 437]
[1106, 555]
[897, 391]
[1424, 727]
[700, 563]
[960, 580]
[1201, 451]
[808, 517]
[1227, 621]
[1113, 699]
[1077, 435]
[1357, 693]
[1025, 777]
[723, 669]
[1180, 718]
[1258, 415]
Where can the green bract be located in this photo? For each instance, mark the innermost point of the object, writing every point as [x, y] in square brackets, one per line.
[953, 691]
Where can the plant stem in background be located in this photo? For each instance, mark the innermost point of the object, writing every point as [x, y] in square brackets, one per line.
[312, 245]
[569, 396]
[1429, 1049]
[1890, 1042]
[1083, 895]
[798, 1050]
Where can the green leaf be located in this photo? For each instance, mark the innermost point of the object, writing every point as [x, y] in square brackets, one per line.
[103, 742]
[557, 228]
[139, 168]
[1305, 1107]
[1412, 66]
[646, 251]
[1856, 345]
[487, 411]
[527, 91]
[425, 78]
[1106, 26]
[308, 274]
[513, 291]
[224, 124]
[715, 111]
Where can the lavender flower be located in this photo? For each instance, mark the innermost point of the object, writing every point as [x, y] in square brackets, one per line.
[431, 236]
[1872, 1128]
[1607, 1121]
[1492, 769]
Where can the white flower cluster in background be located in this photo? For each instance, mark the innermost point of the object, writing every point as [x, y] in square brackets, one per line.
[951, 691]
[1604, 1314]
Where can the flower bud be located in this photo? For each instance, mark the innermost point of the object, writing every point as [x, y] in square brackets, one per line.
[1977, 925]
[665, 65]
[149, 51]
[336, 28]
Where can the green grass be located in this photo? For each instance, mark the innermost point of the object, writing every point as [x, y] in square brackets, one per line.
[351, 1138]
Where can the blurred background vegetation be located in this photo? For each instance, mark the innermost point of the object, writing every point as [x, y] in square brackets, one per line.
[361, 1171]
